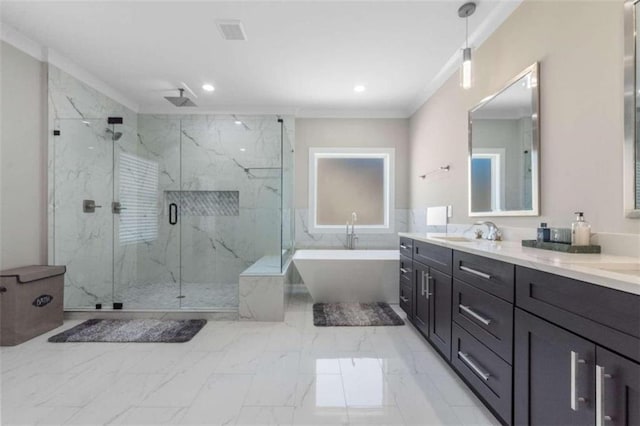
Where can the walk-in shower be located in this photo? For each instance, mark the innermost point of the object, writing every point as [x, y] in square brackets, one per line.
[182, 205]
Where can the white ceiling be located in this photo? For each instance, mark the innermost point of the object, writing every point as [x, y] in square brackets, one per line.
[300, 57]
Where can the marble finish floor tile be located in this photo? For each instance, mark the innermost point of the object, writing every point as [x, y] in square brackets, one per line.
[244, 373]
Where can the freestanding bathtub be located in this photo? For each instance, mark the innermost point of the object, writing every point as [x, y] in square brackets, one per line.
[349, 275]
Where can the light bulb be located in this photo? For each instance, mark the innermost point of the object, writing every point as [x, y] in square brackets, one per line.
[466, 69]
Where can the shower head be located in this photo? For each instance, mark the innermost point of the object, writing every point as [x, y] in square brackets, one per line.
[114, 135]
[180, 101]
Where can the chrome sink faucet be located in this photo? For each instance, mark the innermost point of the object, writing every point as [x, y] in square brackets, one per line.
[351, 236]
[493, 233]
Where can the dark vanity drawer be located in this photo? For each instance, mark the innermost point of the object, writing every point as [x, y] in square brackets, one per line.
[432, 255]
[406, 247]
[406, 299]
[406, 270]
[486, 372]
[487, 274]
[606, 316]
[488, 318]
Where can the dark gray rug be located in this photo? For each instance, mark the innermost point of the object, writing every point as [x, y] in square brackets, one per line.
[354, 314]
[137, 331]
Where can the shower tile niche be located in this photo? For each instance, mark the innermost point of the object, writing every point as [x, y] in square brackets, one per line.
[205, 203]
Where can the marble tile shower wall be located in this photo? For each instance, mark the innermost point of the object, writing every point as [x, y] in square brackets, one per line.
[307, 240]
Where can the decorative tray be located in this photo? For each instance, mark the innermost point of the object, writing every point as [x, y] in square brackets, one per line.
[566, 248]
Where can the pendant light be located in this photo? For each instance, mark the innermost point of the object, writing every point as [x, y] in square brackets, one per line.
[466, 73]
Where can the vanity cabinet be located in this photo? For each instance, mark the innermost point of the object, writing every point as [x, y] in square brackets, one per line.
[406, 247]
[563, 379]
[554, 377]
[493, 276]
[482, 305]
[600, 314]
[619, 400]
[487, 374]
[577, 352]
[432, 286]
[537, 348]
[421, 313]
[425, 290]
[432, 314]
[488, 318]
[439, 289]
[406, 285]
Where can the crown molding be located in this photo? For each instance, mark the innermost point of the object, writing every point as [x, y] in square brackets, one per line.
[12, 36]
[487, 27]
[288, 111]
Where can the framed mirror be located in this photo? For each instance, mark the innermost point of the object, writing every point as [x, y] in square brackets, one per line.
[504, 150]
[631, 185]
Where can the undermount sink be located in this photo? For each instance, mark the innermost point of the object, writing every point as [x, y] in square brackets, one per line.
[629, 268]
[455, 239]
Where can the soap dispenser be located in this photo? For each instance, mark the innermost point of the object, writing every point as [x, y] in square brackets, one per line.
[544, 233]
[580, 231]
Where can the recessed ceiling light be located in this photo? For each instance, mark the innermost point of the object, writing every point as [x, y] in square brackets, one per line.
[238, 122]
[242, 149]
[359, 88]
[208, 87]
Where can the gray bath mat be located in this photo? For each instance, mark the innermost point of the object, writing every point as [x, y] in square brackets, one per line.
[137, 331]
[354, 314]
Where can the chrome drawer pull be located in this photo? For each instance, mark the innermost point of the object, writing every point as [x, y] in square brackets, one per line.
[474, 272]
[404, 247]
[575, 399]
[474, 314]
[464, 357]
[601, 418]
[404, 299]
[404, 271]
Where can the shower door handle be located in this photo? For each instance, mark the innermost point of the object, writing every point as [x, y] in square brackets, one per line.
[173, 214]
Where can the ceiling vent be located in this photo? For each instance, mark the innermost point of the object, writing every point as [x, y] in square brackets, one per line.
[231, 29]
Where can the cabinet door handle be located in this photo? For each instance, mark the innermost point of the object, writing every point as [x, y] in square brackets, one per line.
[601, 417]
[428, 290]
[575, 399]
[474, 272]
[404, 270]
[474, 314]
[404, 246]
[472, 365]
[422, 276]
[404, 299]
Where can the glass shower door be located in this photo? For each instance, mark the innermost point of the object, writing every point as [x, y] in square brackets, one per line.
[82, 219]
[229, 206]
[146, 231]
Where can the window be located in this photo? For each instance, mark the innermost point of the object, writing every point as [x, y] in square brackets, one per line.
[139, 198]
[487, 177]
[347, 180]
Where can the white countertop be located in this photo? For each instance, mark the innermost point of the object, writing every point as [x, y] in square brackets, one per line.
[617, 272]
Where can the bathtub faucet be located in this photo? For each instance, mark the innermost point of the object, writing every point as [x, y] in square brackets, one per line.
[351, 236]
